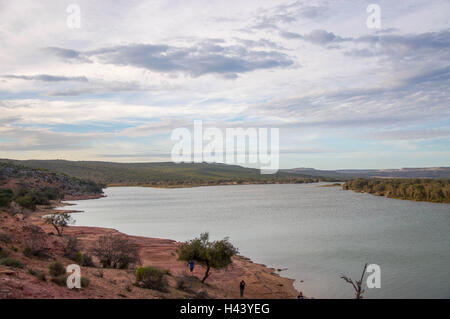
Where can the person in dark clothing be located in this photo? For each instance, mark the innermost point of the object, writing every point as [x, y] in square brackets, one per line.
[191, 265]
[242, 287]
[300, 296]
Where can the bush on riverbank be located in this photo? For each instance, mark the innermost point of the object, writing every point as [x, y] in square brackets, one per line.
[429, 190]
[152, 278]
[115, 251]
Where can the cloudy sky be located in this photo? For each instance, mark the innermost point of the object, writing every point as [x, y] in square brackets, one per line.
[342, 94]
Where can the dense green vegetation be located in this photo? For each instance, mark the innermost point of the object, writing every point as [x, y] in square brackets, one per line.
[429, 190]
[27, 198]
[166, 174]
[6, 197]
[29, 187]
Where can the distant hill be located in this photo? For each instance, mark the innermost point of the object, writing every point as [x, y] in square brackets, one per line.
[188, 174]
[164, 174]
[429, 172]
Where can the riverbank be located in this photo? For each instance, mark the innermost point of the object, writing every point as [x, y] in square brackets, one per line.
[418, 190]
[190, 185]
[262, 282]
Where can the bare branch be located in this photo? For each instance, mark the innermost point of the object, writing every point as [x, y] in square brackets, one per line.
[356, 286]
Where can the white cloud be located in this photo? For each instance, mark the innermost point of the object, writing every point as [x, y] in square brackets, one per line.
[140, 68]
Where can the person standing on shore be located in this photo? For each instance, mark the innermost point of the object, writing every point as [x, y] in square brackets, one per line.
[191, 265]
[241, 288]
[300, 296]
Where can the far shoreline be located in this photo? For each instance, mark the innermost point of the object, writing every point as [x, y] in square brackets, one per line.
[207, 184]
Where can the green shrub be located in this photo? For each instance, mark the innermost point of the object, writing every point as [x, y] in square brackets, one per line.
[151, 278]
[49, 193]
[14, 248]
[79, 258]
[38, 274]
[56, 269]
[87, 261]
[26, 201]
[124, 262]
[85, 282]
[30, 252]
[11, 262]
[6, 196]
[60, 280]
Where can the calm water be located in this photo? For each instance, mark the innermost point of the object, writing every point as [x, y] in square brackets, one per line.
[317, 233]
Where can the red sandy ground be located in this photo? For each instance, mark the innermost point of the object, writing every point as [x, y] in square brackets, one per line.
[262, 282]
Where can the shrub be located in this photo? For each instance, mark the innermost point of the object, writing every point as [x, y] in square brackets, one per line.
[38, 274]
[28, 252]
[37, 244]
[32, 252]
[14, 248]
[26, 201]
[87, 261]
[4, 253]
[115, 251]
[71, 247]
[151, 278]
[84, 282]
[79, 258]
[5, 238]
[11, 262]
[60, 280]
[39, 198]
[56, 269]
[50, 193]
[186, 283]
[203, 294]
[6, 196]
[123, 262]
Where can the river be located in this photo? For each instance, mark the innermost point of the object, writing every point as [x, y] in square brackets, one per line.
[314, 233]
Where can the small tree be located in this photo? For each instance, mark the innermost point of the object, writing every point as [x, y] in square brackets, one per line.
[357, 285]
[115, 251]
[215, 254]
[59, 221]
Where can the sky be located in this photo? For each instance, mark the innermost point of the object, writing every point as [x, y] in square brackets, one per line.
[344, 94]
